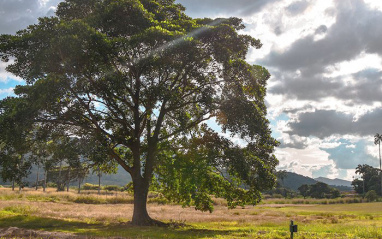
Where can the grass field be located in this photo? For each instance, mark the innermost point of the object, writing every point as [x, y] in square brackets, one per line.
[108, 216]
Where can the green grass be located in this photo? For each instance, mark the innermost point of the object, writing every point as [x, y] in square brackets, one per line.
[315, 221]
[314, 201]
[330, 221]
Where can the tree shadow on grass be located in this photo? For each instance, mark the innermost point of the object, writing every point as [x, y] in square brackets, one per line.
[114, 230]
[40, 223]
[186, 232]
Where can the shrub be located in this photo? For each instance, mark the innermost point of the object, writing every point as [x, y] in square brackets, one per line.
[89, 186]
[128, 188]
[51, 185]
[278, 196]
[371, 196]
[112, 188]
[89, 200]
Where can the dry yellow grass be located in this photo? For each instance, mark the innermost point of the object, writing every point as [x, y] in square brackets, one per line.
[30, 209]
[115, 213]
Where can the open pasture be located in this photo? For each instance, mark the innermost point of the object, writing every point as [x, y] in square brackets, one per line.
[90, 215]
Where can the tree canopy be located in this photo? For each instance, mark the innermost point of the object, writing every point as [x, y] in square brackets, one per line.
[370, 179]
[143, 79]
[319, 190]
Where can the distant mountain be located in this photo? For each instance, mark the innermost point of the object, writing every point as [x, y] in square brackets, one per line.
[290, 180]
[335, 182]
[294, 181]
[121, 178]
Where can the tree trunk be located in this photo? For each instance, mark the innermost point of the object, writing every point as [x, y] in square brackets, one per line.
[45, 177]
[79, 184]
[67, 185]
[140, 214]
[99, 180]
[13, 184]
[37, 175]
[59, 177]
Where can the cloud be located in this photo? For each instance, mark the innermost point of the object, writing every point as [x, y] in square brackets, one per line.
[365, 87]
[324, 171]
[321, 29]
[346, 158]
[5, 76]
[6, 92]
[302, 161]
[354, 32]
[293, 141]
[297, 7]
[16, 15]
[326, 123]
[213, 8]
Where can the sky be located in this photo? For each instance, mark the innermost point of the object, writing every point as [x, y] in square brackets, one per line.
[325, 57]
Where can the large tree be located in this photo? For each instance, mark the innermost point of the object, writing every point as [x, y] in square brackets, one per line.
[143, 78]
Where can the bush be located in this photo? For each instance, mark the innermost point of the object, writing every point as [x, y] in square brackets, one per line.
[371, 196]
[112, 188]
[277, 196]
[51, 185]
[89, 186]
[89, 200]
[92, 199]
[128, 188]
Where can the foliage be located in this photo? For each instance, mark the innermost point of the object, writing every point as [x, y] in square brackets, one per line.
[112, 188]
[89, 186]
[370, 179]
[371, 196]
[128, 188]
[14, 164]
[319, 190]
[140, 78]
[304, 190]
[282, 192]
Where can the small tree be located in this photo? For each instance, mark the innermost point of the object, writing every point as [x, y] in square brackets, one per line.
[322, 190]
[371, 196]
[304, 190]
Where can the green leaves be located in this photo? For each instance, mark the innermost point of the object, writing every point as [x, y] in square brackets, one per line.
[140, 79]
[193, 169]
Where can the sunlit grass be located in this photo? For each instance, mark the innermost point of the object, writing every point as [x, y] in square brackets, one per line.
[109, 216]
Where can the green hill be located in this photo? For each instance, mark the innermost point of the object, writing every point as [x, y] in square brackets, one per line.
[290, 180]
[294, 181]
[121, 178]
